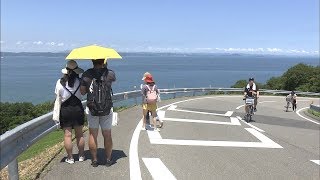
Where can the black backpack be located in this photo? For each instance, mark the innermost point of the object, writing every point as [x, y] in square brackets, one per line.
[99, 99]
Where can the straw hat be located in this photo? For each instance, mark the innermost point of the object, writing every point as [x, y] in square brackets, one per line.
[72, 66]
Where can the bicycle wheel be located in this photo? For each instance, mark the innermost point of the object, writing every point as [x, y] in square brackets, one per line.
[247, 117]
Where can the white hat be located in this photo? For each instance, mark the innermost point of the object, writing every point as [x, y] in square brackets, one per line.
[72, 66]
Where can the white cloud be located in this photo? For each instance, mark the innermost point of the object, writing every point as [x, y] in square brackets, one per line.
[60, 44]
[274, 50]
[19, 42]
[50, 43]
[38, 42]
[2, 42]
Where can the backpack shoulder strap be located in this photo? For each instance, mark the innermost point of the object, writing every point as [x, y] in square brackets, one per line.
[73, 94]
[148, 87]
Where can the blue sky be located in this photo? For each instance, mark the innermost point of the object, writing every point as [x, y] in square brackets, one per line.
[254, 26]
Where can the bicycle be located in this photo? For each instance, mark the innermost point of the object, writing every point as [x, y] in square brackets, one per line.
[249, 101]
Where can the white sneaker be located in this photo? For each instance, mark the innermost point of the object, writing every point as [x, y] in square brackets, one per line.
[81, 158]
[157, 129]
[69, 161]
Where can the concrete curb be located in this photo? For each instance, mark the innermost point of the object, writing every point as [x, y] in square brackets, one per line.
[311, 115]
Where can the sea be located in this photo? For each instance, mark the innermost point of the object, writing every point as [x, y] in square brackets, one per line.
[31, 77]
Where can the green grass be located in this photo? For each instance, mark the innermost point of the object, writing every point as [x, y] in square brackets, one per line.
[48, 141]
[315, 113]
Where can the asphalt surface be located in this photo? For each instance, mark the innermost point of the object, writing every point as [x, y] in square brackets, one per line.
[204, 138]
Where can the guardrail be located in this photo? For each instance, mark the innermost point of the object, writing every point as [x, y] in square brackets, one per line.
[315, 107]
[17, 140]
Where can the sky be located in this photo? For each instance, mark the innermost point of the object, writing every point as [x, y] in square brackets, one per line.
[247, 26]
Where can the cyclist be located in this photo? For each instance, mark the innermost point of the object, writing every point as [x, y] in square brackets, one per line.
[251, 90]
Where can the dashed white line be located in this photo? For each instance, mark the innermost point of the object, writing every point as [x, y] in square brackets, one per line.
[157, 169]
[316, 161]
[298, 112]
[258, 129]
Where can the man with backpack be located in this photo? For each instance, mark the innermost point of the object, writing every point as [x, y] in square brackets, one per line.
[96, 83]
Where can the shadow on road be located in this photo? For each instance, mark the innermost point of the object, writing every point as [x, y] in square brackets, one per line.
[116, 154]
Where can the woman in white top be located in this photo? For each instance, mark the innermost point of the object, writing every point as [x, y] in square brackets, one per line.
[71, 111]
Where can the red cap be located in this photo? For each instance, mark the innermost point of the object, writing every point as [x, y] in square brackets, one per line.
[149, 79]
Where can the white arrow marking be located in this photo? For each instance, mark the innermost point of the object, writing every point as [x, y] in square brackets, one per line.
[234, 121]
[157, 169]
[316, 161]
[173, 108]
[258, 129]
[265, 141]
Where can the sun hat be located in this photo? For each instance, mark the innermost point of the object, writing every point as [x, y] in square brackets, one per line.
[72, 66]
[149, 79]
[145, 75]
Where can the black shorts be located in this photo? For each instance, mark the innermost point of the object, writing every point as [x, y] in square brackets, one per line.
[71, 116]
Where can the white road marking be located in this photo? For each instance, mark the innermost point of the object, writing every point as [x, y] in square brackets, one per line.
[258, 103]
[234, 121]
[265, 141]
[135, 173]
[298, 112]
[157, 169]
[173, 108]
[228, 113]
[258, 129]
[161, 114]
[240, 106]
[266, 102]
[316, 161]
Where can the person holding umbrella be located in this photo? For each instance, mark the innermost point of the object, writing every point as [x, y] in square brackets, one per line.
[96, 83]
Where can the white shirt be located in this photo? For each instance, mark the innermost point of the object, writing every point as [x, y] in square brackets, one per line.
[64, 94]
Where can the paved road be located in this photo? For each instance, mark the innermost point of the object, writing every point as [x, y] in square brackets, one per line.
[205, 138]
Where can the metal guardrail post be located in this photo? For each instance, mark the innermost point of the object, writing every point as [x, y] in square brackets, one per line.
[13, 170]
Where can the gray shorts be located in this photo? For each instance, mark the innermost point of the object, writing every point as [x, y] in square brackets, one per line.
[105, 122]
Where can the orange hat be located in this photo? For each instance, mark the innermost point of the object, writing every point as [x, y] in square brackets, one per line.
[149, 79]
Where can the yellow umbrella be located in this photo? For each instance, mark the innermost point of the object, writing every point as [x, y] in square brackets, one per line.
[93, 52]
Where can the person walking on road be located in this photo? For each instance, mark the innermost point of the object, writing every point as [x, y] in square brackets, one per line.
[71, 110]
[150, 94]
[291, 98]
[96, 83]
[294, 101]
[148, 115]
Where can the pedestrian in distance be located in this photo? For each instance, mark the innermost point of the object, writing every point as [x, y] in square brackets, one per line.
[150, 95]
[148, 115]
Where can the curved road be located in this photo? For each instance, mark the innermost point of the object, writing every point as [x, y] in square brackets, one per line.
[205, 138]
